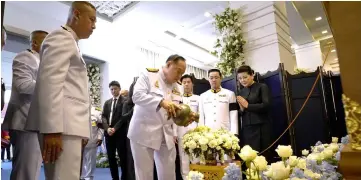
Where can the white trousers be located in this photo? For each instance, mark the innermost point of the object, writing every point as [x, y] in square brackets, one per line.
[89, 163]
[184, 160]
[144, 158]
[26, 155]
[68, 165]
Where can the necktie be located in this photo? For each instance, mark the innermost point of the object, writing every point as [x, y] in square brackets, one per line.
[114, 104]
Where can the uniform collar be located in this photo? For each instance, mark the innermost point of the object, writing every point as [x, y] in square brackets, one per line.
[161, 72]
[66, 27]
[187, 94]
[216, 90]
[36, 54]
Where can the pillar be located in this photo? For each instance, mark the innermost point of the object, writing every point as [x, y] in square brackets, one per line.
[266, 30]
[344, 18]
[309, 56]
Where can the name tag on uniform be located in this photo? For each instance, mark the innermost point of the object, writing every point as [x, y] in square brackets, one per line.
[222, 95]
[94, 124]
[193, 100]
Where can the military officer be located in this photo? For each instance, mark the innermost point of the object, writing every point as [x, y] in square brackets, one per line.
[156, 95]
[193, 101]
[90, 150]
[218, 108]
[25, 70]
[60, 110]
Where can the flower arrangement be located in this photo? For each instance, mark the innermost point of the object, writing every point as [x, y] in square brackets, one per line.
[94, 84]
[230, 43]
[318, 163]
[102, 160]
[195, 175]
[207, 144]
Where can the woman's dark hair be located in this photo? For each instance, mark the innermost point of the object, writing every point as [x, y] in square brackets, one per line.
[246, 69]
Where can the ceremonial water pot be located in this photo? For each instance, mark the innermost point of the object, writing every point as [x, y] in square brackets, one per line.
[184, 114]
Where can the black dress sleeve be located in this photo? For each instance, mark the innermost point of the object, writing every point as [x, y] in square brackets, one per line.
[264, 105]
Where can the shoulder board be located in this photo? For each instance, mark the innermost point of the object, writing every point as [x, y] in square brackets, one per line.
[98, 109]
[153, 70]
[29, 50]
[179, 82]
[66, 29]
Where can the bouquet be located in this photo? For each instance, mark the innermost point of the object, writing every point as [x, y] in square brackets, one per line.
[207, 144]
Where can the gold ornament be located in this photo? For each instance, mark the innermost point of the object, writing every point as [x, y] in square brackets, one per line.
[353, 121]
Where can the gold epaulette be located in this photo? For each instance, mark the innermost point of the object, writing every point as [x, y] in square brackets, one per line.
[98, 109]
[153, 70]
[65, 28]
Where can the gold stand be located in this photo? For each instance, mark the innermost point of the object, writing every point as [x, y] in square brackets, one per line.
[211, 172]
[350, 163]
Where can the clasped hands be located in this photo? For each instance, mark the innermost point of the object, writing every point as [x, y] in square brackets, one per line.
[242, 102]
[110, 131]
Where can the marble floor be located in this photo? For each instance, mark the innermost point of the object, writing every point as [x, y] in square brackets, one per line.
[100, 173]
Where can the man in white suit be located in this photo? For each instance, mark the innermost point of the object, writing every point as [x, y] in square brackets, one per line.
[25, 70]
[156, 95]
[60, 110]
[218, 107]
[192, 101]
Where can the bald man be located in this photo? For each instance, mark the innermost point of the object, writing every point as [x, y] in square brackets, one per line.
[25, 70]
[60, 110]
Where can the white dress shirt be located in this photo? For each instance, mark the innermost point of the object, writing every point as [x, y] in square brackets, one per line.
[114, 100]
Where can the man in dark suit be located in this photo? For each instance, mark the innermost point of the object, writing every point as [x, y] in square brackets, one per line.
[115, 131]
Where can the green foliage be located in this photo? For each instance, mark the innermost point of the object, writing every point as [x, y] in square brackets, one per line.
[229, 45]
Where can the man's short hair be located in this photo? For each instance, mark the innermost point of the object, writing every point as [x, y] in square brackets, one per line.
[175, 58]
[78, 4]
[215, 70]
[114, 83]
[39, 32]
[185, 77]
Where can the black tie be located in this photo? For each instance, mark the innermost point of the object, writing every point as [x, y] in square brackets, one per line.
[114, 105]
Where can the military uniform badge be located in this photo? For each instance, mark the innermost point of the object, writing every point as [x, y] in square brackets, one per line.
[156, 84]
[175, 91]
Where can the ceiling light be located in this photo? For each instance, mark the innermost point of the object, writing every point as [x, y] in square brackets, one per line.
[333, 50]
[207, 14]
[324, 32]
[318, 18]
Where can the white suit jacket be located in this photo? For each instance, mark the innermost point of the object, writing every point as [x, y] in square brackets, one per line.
[61, 101]
[25, 69]
[219, 110]
[149, 125]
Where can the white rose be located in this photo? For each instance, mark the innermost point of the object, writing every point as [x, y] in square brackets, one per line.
[293, 161]
[315, 156]
[284, 151]
[278, 171]
[334, 140]
[260, 162]
[247, 153]
[305, 152]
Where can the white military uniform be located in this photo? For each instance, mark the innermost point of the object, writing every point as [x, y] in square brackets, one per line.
[61, 102]
[90, 150]
[25, 70]
[219, 110]
[193, 102]
[150, 132]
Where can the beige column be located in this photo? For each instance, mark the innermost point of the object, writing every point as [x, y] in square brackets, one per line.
[266, 31]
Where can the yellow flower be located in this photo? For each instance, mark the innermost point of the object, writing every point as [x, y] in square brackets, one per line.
[284, 151]
[293, 161]
[248, 154]
[278, 171]
[301, 164]
[260, 163]
[305, 152]
[334, 140]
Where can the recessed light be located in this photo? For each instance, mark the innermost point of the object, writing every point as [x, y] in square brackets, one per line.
[324, 32]
[318, 18]
[207, 14]
[333, 50]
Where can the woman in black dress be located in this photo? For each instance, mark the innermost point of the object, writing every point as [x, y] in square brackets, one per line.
[254, 101]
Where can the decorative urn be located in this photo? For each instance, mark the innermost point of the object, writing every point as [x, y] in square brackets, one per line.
[184, 114]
